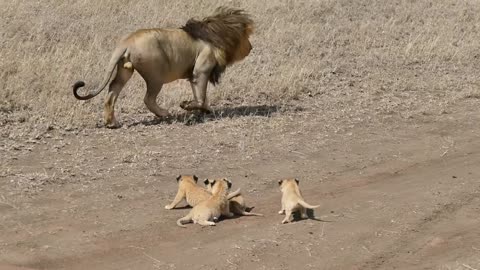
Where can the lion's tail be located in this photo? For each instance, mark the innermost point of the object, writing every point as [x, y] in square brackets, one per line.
[184, 220]
[116, 56]
[306, 205]
[245, 213]
[234, 194]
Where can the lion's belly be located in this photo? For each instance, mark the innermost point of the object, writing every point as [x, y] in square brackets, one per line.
[179, 68]
[166, 56]
[175, 75]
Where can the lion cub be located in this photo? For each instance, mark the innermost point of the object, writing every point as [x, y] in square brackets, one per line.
[188, 189]
[236, 203]
[193, 194]
[292, 200]
[206, 212]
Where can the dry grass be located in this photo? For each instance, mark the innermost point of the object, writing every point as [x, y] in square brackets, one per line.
[352, 97]
[342, 59]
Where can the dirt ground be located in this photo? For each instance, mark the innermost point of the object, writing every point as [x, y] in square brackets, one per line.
[395, 195]
[373, 105]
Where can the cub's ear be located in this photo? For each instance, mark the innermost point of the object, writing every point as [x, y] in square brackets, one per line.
[280, 182]
[179, 177]
[296, 180]
[229, 184]
[213, 182]
[195, 178]
[206, 182]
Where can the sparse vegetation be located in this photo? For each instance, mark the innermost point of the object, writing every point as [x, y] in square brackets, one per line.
[373, 104]
[371, 56]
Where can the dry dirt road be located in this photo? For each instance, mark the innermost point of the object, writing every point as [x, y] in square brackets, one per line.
[395, 194]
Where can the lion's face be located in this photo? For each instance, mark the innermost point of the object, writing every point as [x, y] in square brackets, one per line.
[243, 50]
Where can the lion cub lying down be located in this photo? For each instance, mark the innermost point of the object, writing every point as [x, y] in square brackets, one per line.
[292, 200]
[191, 192]
[236, 202]
[206, 212]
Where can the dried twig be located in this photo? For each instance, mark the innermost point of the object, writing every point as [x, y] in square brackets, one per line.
[364, 247]
[11, 205]
[468, 266]
[309, 253]
[147, 255]
[20, 224]
[234, 264]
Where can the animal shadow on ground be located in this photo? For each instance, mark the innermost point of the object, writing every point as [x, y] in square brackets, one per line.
[194, 118]
[310, 214]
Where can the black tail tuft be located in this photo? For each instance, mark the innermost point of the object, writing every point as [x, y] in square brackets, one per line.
[76, 85]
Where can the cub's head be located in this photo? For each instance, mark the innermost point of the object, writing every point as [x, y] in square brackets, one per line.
[288, 182]
[208, 184]
[215, 185]
[187, 178]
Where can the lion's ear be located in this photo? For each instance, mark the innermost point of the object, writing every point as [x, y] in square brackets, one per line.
[280, 182]
[195, 178]
[296, 180]
[206, 182]
[229, 184]
[179, 177]
[213, 182]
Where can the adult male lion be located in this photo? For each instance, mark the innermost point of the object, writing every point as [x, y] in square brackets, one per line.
[200, 51]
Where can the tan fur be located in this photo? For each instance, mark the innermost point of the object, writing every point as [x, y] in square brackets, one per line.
[236, 202]
[200, 51]
[128, 65]
[206, 212]
[190, 191]
[292, 200]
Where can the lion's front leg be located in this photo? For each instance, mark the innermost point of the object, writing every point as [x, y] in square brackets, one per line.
[201, 72]
[178, 198]
[200, 102]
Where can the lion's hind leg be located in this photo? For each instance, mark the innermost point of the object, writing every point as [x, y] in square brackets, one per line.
[303, 212]
[116, 86]
[150, 99]
[288, 216]
[206, 223]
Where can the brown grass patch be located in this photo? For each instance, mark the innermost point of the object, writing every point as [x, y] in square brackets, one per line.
[341, 58]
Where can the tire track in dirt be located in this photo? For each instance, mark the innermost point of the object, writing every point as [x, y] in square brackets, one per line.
[362, 195]
[133, 248]
[404, 247]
